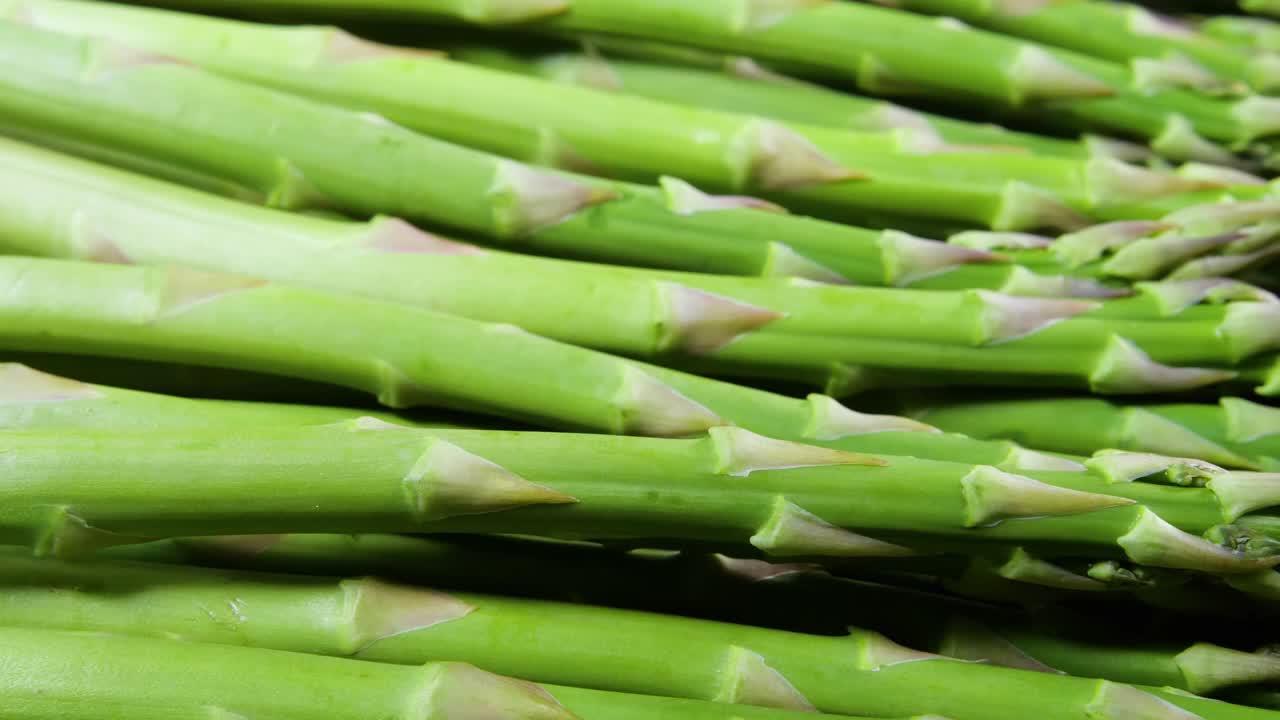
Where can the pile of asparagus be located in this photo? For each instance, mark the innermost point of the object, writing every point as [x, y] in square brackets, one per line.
[639, 360]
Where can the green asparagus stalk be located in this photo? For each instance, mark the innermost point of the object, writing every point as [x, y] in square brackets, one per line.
[789, 499]
[892, 52]
[1261, 7]
[1244, 32]
[1234, 433]
[289, 165]
[376, 621]
[68, 208]
[560, 125]
[1161, 52]
[76, 675]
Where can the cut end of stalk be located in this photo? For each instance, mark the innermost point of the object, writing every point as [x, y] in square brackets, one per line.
[830, 420]
[879, 652]
[992, 241]
[749, 680]
[792, 531]
[22, 385]
[1248, 421]
[1219, 175]
[461, 692]
[781, 158]
[992, 496]
[67, 535]
[1176, 70]
[1113, 181]
[1125, 368]
[527, 199]
[1024, 567]
[1037, 75]
[1258, 116]
[1114, 701]
[1153, 541]
[1178, 140]
[908, 259]
[967, 639]
[702, 322]
[1174, 296]
[741, 452]
[685, 199]
[650, 407]
[1153, 257]
[782, 261]
[1250, 328]
[185, 288]
[1005, 317]
[1026, 207]
[1021, 458]
[1079, 248]
[1122, 466]
[1208, 668]
[1240, 493]
[377, 610]
[504, 12]
[1146, 430]
[393, 235]
[447, 481]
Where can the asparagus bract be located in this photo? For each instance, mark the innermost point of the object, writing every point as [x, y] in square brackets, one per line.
[377, 621]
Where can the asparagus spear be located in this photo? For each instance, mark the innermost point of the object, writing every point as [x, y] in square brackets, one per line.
[1243, 32]
[1234, 433]
[72, 208]
[48, 675]
[892, 52]
[789, 499]
[560, 125]
[1160, 51]
[376, 621]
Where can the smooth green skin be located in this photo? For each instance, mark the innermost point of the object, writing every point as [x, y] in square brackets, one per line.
[575, 127]
[1103, 30]
[837, 40]
[67, 497]
[785, 99]
[1097, 424]
[1246, 33]
[69, 675]
[69, 208]
[594, 647]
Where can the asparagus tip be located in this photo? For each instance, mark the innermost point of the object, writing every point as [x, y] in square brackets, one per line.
[702, 322]
[749, 680]
[1216, 218]
[830, 420]
[1154, 541]
[23, 385]
[1208, 668]
[783, 261]
[1037, 74]
[1085, 246]
[1174, 296]
[685, 199]
[1114, 701]
[1113, 181]
[1125, 368]
[1026, 282]
[761, 570]
[1006, 317]
[1026, 207]
[992, 496]
[1219, 175]
[393, 235]
[1024, 567]
[1150, 430]
[794, 531]
[527, 199]
[1176, 70]
[741, 452]
[461, 692]
[782, 158]
[648, 406]
[1242, 492]
[447, 481]
[1250, 328]
[1123, 466]
[908, 258]
[378, 610]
